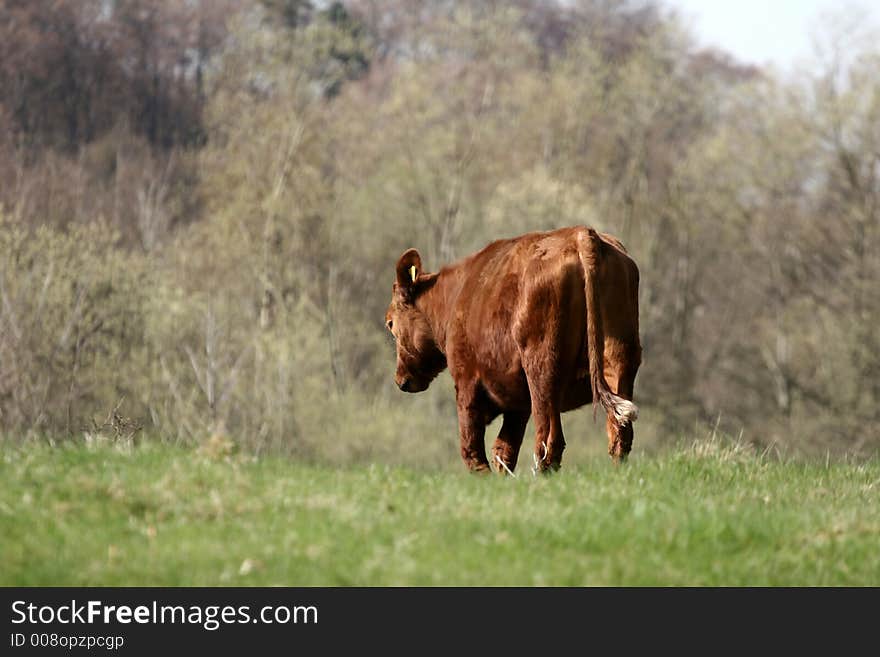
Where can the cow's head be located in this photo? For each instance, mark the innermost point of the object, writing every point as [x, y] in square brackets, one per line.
[419, 358]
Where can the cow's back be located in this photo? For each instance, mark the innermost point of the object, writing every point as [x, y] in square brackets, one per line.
[520, 295]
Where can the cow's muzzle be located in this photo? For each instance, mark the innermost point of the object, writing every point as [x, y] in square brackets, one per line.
[412, 384]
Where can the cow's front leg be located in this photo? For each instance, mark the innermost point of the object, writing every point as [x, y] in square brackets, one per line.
[472, 430]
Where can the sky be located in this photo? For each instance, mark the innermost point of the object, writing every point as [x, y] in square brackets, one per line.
[765, 31]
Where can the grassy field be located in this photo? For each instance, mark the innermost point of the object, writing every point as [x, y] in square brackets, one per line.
[709, 514]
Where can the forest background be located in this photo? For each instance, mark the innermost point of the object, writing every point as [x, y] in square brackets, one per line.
[201, 205]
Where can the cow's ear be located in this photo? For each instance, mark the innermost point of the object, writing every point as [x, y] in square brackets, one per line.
[408, 268]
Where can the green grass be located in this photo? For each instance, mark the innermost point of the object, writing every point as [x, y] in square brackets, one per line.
[711, 514]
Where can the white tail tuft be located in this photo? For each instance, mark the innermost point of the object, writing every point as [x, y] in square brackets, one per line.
[625, 411]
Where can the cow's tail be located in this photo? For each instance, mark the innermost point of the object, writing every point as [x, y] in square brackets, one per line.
[622, 410]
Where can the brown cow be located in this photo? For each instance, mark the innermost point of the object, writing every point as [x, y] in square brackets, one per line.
[521, 324]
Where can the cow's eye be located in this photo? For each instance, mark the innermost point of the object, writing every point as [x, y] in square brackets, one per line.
[389, 324]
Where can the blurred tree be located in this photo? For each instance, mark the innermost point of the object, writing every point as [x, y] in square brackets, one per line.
[259, 166]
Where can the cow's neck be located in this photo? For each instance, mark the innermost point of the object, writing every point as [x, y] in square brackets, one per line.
[438, 301]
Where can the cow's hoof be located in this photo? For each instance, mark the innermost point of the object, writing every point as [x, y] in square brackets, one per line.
[544, 468]
[502, 467]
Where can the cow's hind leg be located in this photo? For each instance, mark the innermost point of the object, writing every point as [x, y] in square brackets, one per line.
[620, 440]
[621, 378]
[549, 441]
[505, 451]
[545, 393]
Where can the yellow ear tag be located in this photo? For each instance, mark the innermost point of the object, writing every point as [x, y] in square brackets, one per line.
[412, 272]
